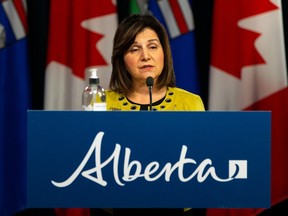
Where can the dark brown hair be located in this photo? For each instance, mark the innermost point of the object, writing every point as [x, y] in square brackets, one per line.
[125, 35]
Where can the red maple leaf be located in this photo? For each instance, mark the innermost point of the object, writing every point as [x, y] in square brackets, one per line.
[70, 43]
[232, 46]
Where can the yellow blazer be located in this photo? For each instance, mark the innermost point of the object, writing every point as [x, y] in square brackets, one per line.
[176, 100]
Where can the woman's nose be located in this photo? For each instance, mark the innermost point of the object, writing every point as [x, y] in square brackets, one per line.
[145, 55]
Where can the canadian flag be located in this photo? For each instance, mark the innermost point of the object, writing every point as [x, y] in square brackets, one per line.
[80, 37]
[248, 72]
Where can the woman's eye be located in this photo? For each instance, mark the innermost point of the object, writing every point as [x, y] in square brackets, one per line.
[153, 46]
[135, 49]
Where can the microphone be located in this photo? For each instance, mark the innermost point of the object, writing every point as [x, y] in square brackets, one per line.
[149, 83]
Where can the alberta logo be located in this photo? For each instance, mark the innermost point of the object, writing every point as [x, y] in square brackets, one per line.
[133, 169]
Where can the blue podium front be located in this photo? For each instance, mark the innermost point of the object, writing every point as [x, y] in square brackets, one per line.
[148, 159]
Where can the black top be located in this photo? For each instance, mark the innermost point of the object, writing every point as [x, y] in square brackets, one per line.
[146, 106]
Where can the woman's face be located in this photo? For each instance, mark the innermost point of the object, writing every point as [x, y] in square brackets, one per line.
[145, 57]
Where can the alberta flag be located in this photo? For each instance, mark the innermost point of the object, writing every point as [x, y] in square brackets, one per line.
[15, 100]
[177, 17]
[249, 72]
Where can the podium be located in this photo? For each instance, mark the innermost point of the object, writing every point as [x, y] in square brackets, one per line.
[148, 159]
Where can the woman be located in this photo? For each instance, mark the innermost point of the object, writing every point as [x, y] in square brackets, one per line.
[141, 49]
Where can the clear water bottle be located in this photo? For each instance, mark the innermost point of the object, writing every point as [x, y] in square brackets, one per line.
[93, 96]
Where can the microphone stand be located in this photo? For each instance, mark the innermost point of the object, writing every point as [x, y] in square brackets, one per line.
[150, 95]
[149, 83]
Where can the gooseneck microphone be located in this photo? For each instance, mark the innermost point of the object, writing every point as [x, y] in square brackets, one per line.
[149, 83]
